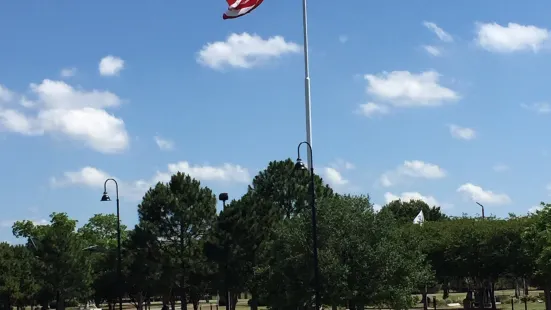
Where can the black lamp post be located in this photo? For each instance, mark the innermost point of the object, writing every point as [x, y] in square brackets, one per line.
[482, 208]
[300, 166]
[105, 197]
[224, 197]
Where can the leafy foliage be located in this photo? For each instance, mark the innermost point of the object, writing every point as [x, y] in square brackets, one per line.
[261, 243]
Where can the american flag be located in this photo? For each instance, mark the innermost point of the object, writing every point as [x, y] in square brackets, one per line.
[238, 8]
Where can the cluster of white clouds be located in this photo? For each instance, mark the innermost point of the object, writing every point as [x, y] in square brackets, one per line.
[333, 174]
[59, 109]
[135, 189]
[54, 107]
[244, 51]
[164, 144]
[411, 169]
[496, 38]
[417, 169]
[442, 35]
[404, 89]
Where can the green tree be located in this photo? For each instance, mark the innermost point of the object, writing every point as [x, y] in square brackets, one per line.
[62, 264]
[276, 193]
[364, 258]
[284, 190]
[537, 238]
[180, 215]
[406, 211]
[142, 265]
[100, 238]
[17, 285]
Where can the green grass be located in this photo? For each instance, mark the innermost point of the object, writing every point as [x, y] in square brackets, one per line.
[453, 297]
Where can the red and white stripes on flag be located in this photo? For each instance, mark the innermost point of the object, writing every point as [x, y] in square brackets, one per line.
[238, 8]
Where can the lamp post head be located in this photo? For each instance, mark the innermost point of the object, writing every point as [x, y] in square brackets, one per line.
[223, 197]
[299, 165]
[105, 197]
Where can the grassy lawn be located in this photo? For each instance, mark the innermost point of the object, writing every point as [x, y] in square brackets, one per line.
[453, 297]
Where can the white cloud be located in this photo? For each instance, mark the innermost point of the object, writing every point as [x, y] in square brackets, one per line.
[406, 89]
[134, 190]
[334, 177]
[41, 222]
[369, 109]
[110, 65]
[342, 164]
[511, 38]
[68, 72]
[60, 95]
[77, 114]
[6, 95]
[226, 172]
[538, 107]
[440, 33]
[500, 168]
[412, 169]
[244, 51]
[462, 133]
[15, 121]
[343, 39]
[36, 222]
[409, 196]
[433, 50]
[26, 103]
[535, 209]
[385, 180]
[478, 194]
[164, 144]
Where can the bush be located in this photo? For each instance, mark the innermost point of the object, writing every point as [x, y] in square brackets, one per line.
[261, 302]
[529, 298]
[416, 299]
[503, 298]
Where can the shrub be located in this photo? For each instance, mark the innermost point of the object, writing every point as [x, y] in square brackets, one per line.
[503, 298]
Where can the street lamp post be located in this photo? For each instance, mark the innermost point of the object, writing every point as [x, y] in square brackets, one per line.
[481, 207]
[105, 197]
[300, 166]
[224, 197]
[484, 289]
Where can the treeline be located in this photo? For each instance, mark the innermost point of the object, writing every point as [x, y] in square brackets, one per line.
[181, 250]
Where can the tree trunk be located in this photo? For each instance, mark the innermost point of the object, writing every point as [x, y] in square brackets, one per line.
[172, 302]
[234, 299]
[492, 295]
[60, 305]
[254, 300]
[547, 294]
[424, 300]
[481, 293]
[183, 300]
[139, 300]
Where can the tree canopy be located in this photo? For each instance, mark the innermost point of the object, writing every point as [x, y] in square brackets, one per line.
[183, 249]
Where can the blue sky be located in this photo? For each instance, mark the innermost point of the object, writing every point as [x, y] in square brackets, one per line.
[442, 101]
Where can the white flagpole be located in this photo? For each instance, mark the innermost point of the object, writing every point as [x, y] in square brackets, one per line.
[307, 104]
[307, 101]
